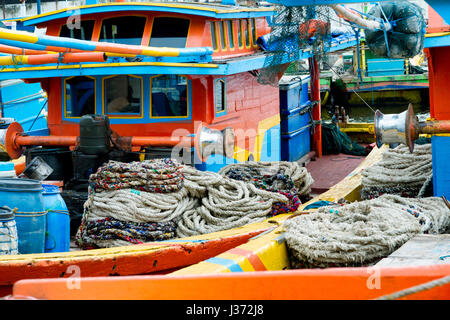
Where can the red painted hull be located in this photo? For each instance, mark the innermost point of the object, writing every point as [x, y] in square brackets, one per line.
[147, 258]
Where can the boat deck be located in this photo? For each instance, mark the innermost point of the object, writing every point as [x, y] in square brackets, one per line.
[328, 170]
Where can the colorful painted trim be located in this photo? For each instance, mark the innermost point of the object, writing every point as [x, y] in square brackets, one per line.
[267, 251]
[215, 11]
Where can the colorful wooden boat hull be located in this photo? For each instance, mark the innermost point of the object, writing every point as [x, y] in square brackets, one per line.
[161, 257]
[152, 257]
[235, 272]
[322, 284]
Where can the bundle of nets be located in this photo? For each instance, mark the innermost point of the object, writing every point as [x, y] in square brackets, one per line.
[406, 39]
[159, 199]
[132, 203]
[399, 172]
[361, 233]
[335, 141]
[293, 29]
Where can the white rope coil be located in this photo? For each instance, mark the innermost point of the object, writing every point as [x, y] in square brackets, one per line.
[136, 206]
[361, 232]
[399, 172]
[300, 176]
[224, 203]
[207, 201]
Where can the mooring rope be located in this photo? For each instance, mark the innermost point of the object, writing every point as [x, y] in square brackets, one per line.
[362, 232]
[399, 172]
[198, 202]
[416, 289]
[224, 203]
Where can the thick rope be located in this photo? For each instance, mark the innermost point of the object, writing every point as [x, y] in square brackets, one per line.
[362, 232]
[399, 172]
[416, 289]
[224, 203]
[137, 195]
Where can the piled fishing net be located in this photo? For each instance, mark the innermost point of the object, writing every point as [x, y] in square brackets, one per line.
[399, 172]
[363, 232]
[131, 203]
[406, 39]
[294, 29]
[335, 141]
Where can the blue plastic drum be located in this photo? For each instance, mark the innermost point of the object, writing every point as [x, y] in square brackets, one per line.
[58, 221]
[25, 197]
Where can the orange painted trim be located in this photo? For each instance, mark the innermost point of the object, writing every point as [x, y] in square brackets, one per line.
[311, 284]
[20, 51]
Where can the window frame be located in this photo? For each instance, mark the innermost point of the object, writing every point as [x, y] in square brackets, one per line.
[122, 115]
[240, 34]
[65, 95]
[213, 29]
[223, 36]
[224, 96]
[188, 98]
[147, 43]
[231, 41]
[93, 28]
[245, 32]
[253, 32]
[144, 37]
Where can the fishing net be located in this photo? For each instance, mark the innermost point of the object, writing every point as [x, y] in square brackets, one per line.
[335, 141]
[294, 29]
[406, 39]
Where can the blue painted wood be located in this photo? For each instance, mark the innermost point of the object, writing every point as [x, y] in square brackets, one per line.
[271, 147]
[296, 144]
[442, 41]
[441, 169]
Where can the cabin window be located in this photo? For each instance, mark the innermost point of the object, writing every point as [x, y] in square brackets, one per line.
[219, 95]
[222, 35]
[84, 32]
[246, 33]
[169, 96]
[253, 24]
[169, 32]
[230, 33]
[79, 96]
[240, 42]
[125, 30]
[123, 95]
[213, 35]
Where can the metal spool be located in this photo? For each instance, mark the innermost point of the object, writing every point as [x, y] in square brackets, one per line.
[396, 128]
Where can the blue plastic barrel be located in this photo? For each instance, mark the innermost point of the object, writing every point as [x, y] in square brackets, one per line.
[25, 195]
[57, 237]
[8, 232]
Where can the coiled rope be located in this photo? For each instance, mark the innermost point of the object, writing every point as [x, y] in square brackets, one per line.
[224, 203]
[399, 172]
[197, 202]
[362, 232]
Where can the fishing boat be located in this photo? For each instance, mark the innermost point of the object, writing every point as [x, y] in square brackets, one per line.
[154, 91]
[408, 273]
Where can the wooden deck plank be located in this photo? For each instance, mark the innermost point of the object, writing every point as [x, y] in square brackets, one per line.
[423, 249]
